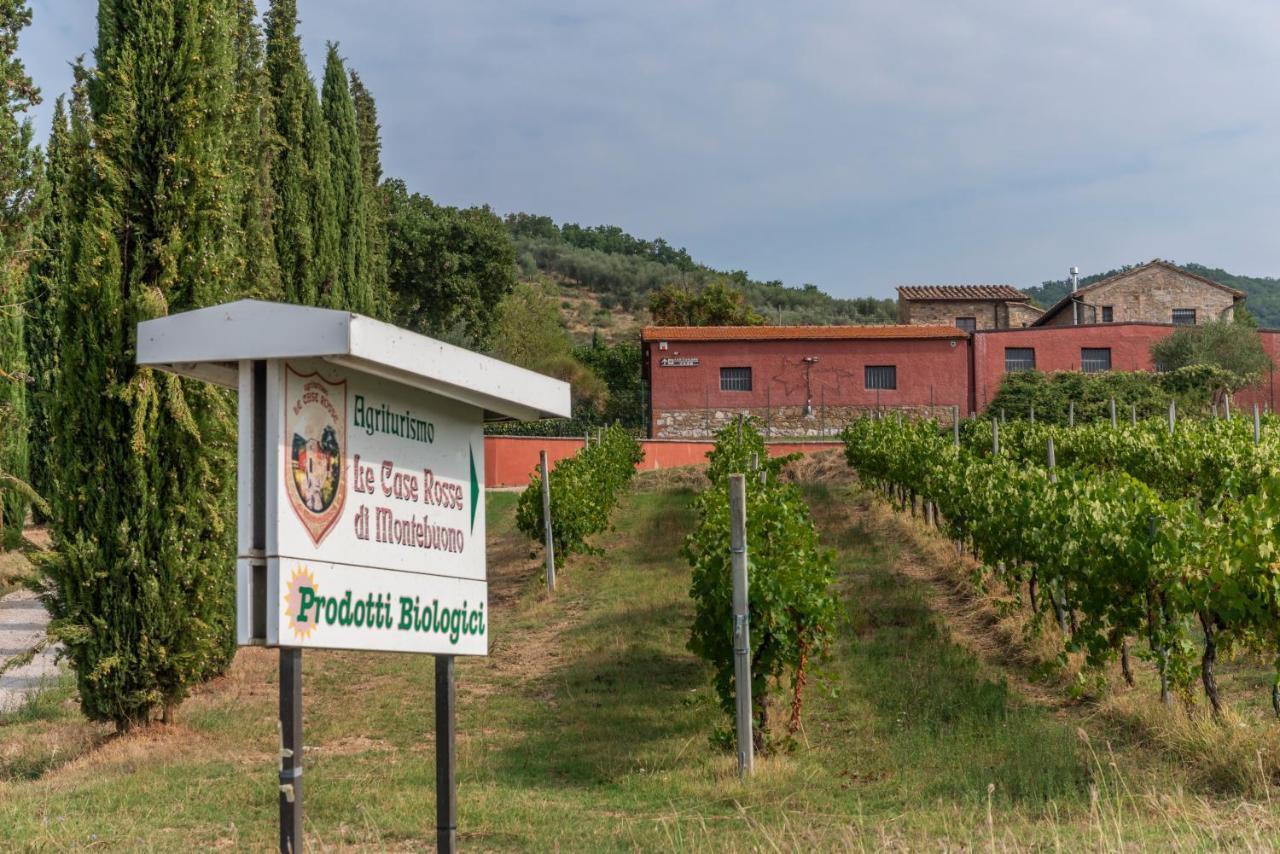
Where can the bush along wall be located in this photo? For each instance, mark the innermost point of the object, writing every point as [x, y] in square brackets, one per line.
[792, 609]
[584, 490]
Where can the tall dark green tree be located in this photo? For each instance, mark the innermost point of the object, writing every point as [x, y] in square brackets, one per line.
[376, 213]
[256, 146]
[20, 179]
[291, 95]
[144, 462]
[44, 295]
[346, 176]
[328, 284]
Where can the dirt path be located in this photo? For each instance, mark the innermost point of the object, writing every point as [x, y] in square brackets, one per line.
[23, 621]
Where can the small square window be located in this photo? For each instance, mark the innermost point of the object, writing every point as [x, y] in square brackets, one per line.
[735, 379]
[1107, 315]
[1184, 317]
[1019, 358]
[1095, 359]
[968, 324]
[882, 377]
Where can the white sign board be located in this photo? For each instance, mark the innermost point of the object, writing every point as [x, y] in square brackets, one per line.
[374, 515]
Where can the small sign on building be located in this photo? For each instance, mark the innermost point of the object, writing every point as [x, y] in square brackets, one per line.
[678, 362]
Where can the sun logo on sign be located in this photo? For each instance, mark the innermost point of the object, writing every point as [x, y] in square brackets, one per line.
[302, 577]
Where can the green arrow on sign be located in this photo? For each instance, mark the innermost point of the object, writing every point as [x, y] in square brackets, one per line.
[475, 488]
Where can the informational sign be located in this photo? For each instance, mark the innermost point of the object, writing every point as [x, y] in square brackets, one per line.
[375, 529]
[678, 362]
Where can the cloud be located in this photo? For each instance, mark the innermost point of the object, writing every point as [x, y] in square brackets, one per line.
[853, 145]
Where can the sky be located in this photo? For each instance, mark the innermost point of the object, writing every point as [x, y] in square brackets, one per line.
[853, 145]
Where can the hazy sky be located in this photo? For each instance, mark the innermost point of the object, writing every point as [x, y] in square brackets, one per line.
[854, 145]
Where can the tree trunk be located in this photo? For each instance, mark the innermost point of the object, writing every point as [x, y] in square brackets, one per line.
[1033, 591]
[797, 699]
[1125, 665]
[1207, 661]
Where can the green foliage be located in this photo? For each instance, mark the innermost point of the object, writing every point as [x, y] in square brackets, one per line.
[143, 462]
[353, 289]
[584, 490]
[450, 268]
[1193, 389]
[527, 333]
[623, 270]
[369, 133]
[616, 364]
[792, 609]
[1235, 349]
[1138, 531]
[20, 185]
[715, 304]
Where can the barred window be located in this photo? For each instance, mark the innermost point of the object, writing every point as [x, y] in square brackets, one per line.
[968, 324]
[882, 376]
[735, 379]
[1095, 359]
[1184, 317]
[1107, 314]
[1019, 358]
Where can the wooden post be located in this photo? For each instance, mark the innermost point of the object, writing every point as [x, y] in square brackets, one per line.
[995, 438]
[1257, 425]
[741, 622]
[549, 541]
[1053, 463]
[1113, 413]
[291, 839]
[446, 757]
[1173, 415]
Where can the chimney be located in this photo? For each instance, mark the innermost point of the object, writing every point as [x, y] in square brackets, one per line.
[1075, 304]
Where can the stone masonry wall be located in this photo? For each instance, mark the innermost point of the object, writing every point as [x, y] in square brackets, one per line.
[989, 314]
[1151, 295]
[781, 421]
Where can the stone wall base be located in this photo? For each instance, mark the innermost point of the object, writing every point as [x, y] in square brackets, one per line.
[782, 422]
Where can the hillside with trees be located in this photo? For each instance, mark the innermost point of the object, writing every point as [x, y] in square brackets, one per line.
[1262, 293]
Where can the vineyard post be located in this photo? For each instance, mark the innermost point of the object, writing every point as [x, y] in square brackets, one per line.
[1113, 413]
[995, 438]
[1226, 406]
[1071, 413]
[1033, 413]
[739, 427]
[549, 543]
[1173, 415]
[1133, 414]
[755, 462]
[955, 426]
[1257, 426]
[1001, 415]
[586, 439]
[931, 401]
[1053, 463]
[741, 622]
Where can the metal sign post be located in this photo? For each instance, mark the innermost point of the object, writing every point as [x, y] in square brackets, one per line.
[741, 622]
[361, 514]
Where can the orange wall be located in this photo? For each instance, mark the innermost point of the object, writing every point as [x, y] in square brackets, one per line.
[510, 460]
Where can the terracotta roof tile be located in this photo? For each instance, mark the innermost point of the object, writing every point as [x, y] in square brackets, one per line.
[961, 292]
[794, 333]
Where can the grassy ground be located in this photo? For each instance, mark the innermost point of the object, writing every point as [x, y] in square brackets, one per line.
[587, 728]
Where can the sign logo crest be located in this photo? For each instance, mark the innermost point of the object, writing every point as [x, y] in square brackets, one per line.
[315, 433]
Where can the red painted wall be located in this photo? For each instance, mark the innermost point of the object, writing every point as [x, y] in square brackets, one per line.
[509, 460]
[1058, 349]
[837, 379]
[1264, 393]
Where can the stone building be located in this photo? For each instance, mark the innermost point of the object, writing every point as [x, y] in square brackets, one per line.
[968, 307]
[1157, 292]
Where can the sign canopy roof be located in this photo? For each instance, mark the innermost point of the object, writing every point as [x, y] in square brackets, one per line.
[209, 343]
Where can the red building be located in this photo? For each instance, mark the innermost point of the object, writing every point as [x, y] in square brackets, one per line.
[799, 380]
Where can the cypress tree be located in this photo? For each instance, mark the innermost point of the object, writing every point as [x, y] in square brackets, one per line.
[291, 93]
[376, 208]
[328, 284]
[20, 179]
[255, 149]
[144, 461]
[43, 296]
[346, 176]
